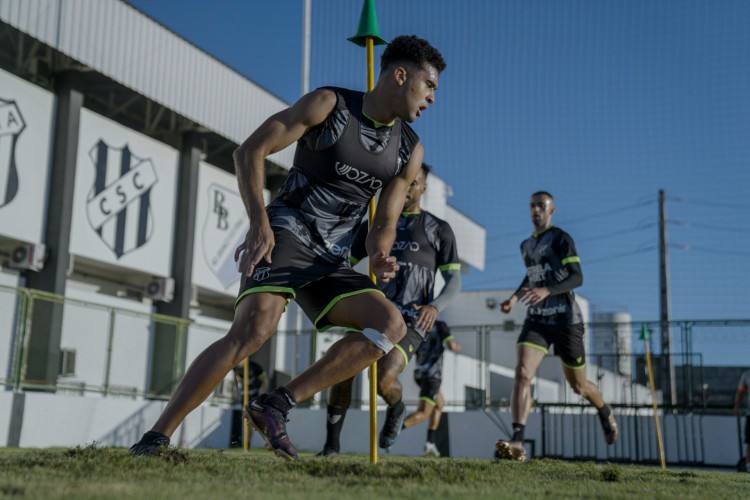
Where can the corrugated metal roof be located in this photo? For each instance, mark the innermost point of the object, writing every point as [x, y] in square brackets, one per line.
[120, 42]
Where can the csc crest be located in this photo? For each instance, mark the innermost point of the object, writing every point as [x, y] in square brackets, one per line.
[118, 205]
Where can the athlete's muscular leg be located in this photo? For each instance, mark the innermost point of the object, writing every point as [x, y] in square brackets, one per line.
[437, 412]
[424, 410]
[354, 352]
[255, 320]
[577, 380]
[389, 386]
[528, 361]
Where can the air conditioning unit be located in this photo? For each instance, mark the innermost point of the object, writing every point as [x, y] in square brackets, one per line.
[28, 256]
[161, 289]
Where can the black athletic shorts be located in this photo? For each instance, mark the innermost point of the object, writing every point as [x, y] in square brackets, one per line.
[410, 343]
[428, 387]
[314, 283]
[567, 339]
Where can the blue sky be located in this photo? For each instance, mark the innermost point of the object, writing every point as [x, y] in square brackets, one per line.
[600, 102]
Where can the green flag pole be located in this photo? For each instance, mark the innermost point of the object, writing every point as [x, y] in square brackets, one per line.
[368, 35]
[659, 443]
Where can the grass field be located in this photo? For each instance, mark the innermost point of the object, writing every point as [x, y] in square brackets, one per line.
[92, 472]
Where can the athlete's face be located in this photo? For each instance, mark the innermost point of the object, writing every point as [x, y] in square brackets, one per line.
[542, 207]
[418, 86]
[415, 192]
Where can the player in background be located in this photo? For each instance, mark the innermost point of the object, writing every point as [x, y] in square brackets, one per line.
[553, 270]
[429, 375]
[742, 393]
[424, 246]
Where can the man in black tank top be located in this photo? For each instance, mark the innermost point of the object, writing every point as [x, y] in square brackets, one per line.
[424, 245]
[349, 147]
[553, 270]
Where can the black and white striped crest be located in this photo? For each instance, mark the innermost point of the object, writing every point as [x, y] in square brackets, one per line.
[11, 126]
[119, 204]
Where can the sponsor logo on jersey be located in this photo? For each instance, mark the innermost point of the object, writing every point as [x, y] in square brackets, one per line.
[118, 205]
[548, 311]
[11, 126]
[401, 246]
[356, 175]
[337, 250]
[536, 273]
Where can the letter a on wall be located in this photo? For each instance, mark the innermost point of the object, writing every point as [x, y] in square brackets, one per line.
[11, 126]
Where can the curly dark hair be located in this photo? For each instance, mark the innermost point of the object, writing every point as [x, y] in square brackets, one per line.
[427, 169]
[411, 48]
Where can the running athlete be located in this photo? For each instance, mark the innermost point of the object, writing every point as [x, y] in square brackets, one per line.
[553, 270]
[424, 244]
[429, 375]
[739, 395]
[350, 145]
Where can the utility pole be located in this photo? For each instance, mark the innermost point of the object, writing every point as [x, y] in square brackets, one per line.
[670, 386]
[306, 15]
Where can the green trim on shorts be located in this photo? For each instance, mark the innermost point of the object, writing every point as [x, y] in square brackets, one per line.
[429, 400]
[571, 366]
[568, 260]
[335, 301]
[450, 267]
[535, 346]
[261, 289]
[448, 339]
[403, 353]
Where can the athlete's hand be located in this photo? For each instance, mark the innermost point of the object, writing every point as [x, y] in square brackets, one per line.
[533, 296]
[258, 244]
[384, 267]
[507, 306]
[427, 316]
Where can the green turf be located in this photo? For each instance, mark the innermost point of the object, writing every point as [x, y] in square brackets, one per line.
[92, 472]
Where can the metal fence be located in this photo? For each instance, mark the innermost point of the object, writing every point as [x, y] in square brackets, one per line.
[106, 350]
[103, 349]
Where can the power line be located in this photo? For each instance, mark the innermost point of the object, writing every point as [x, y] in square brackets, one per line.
[632, 206]
[717, 251]
[691, 225]
[713, 204]
[599, 260]
[639, 227]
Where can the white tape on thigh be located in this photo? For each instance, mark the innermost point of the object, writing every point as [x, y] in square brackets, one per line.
[377, 338]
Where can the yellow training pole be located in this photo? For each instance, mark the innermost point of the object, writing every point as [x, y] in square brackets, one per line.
[644, 336]
[368, 35]
[374, 366]
[245, 401]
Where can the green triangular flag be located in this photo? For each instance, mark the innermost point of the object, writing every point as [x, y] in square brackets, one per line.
[368, 26]
[644, 332]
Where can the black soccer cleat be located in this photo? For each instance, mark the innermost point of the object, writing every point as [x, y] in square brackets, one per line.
[149, 445]
[394, 420]
[271, 425]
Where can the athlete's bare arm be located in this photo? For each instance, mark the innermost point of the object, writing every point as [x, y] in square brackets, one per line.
[383, 232]
[275, 134]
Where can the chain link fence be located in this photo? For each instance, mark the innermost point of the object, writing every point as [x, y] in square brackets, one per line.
[107, 350]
